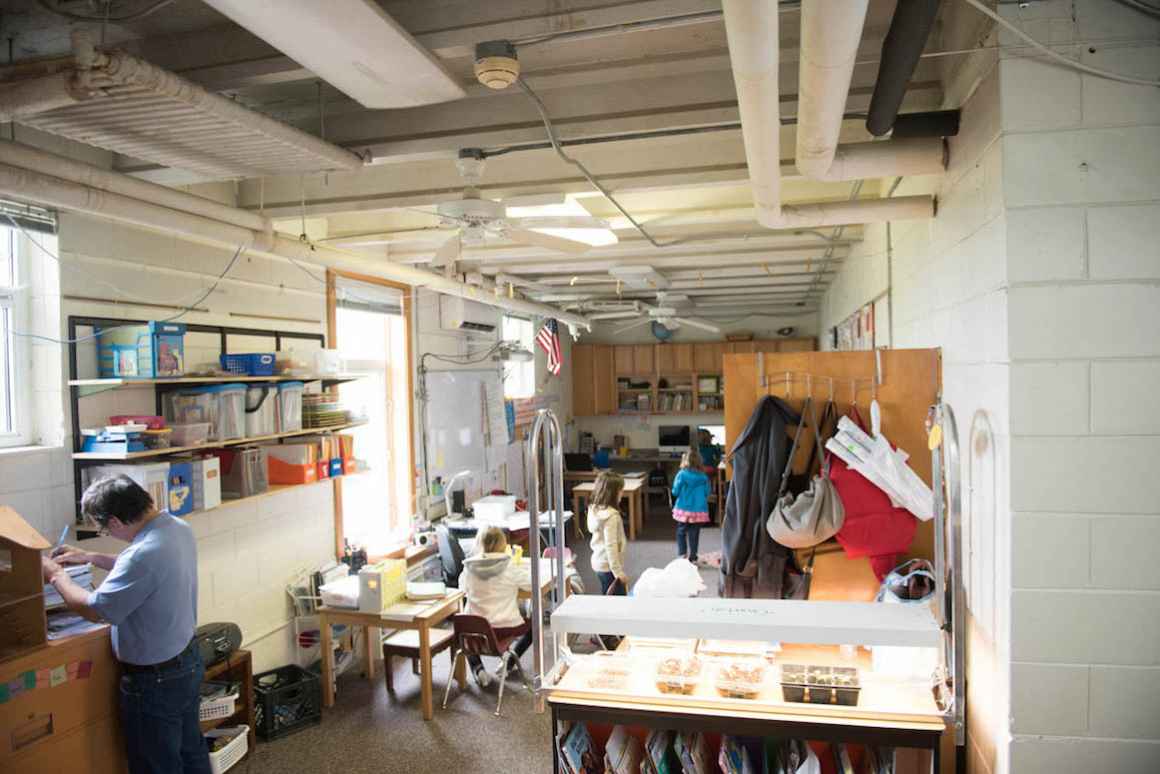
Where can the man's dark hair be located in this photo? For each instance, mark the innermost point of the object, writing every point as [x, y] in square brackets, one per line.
[118, 496]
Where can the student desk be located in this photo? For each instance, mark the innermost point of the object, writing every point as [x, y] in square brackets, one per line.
[633, 492]
[418, 616]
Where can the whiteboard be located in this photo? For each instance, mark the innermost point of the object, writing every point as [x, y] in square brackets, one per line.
[466, 428]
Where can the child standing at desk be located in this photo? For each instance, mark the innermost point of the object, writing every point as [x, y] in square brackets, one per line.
[492, 582]
[691, 509]
[608, 543]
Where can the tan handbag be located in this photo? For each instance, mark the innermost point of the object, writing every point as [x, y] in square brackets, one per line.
[816, 514]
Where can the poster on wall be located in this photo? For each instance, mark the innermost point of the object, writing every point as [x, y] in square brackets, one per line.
[856, 332]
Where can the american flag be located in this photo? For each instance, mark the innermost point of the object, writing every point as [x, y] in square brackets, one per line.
[549, 340]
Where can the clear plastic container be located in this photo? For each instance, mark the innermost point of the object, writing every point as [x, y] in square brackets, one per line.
[230, 421]
[190, 434]
[290, 406]
[609, 671]
[193, 406]
[678, 674]
[740, 678]
[261, 410]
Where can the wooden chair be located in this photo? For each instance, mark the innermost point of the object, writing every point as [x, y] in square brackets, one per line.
[405, 644]
[474, 636]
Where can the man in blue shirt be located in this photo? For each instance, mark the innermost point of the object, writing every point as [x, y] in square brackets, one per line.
[150, 598]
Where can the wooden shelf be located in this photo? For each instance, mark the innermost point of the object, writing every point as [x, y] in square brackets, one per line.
[148, 453]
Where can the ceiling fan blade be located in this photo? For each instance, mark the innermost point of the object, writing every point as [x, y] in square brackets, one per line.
[448, 252]
[696, 322]
[536, 239]
[558, 221]
[613, 315]
[630, 326]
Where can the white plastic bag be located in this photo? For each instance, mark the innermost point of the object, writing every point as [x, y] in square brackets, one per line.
[679, 578]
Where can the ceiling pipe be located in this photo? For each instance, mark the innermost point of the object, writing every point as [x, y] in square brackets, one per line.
[901, 48]
[47, 191]
[752, 33]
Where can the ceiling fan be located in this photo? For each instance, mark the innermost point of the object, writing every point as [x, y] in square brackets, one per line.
[666, 312]
[474, 219]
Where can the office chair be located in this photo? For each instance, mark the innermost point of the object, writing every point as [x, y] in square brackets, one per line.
[450, 555]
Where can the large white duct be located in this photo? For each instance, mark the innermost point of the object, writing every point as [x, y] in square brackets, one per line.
[37, 188]
[751, 29]
[830, 34]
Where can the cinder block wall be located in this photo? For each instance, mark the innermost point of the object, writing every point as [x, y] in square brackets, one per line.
[1040, 279]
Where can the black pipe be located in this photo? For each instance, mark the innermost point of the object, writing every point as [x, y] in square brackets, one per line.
[909, 30]
[936, 123]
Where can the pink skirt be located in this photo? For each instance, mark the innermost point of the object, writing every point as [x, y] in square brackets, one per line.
[691, 517]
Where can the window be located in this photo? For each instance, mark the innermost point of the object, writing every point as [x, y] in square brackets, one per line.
[519, 378]
[13, 408]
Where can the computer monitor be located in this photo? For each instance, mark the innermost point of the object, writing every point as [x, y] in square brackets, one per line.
[717, 431]
[673, 438]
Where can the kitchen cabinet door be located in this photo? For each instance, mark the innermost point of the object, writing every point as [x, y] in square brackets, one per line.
[666, 358]
[583, 381]
[604, 379]
[643, 358]
[682, 358]
[624, 364]
[707, 357]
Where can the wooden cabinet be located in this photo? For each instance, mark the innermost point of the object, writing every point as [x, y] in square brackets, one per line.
[741, 347]
[623, 359]
[643, 360]
[806, 344]
[707, 357]
[767, 345]
[674, 358]
[603, 379]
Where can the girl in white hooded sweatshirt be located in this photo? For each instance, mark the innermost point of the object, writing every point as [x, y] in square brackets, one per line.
[609, 543]
[492, 581]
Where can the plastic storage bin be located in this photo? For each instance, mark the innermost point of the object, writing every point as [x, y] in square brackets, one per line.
[286, 699]
[261, 410]
[153, 477]
[290, 406]
[230, 419]
[249, 364]
[225, 758]
[191, 407]
[191, 434]
[141, 351]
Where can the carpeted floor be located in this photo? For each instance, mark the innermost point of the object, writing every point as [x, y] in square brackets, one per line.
[370, 731]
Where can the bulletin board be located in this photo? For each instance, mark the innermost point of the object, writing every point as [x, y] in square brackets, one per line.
[465, 426]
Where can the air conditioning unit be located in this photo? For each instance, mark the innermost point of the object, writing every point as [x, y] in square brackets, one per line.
[461, 314]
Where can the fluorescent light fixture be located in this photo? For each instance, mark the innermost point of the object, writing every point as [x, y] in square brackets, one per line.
[596, 237]
[352, 45]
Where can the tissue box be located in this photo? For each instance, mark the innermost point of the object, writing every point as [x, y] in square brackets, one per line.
[381, 585]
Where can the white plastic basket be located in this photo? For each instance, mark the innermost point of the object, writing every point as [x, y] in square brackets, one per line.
[215, 709]
[224, 759]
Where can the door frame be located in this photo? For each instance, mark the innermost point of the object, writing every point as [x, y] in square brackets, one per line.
[332, 276]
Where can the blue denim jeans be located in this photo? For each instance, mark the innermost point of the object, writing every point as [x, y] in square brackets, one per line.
[688, 539]
[159, 718]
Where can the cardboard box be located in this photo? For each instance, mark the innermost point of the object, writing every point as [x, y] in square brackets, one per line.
[207, 483]
[22, 622]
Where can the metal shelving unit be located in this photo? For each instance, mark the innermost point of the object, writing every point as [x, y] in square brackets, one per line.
[83, 387]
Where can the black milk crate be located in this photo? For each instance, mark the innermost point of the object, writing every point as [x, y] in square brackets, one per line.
[286, 699]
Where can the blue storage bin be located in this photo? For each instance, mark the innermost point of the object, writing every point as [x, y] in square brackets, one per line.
[249, 364]
[150, 351]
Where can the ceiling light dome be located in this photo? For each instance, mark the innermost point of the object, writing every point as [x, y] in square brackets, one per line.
[496, 64]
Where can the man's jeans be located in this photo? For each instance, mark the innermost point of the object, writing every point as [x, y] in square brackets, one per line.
[159, 718]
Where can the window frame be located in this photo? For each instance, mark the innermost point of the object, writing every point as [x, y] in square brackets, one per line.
[16, 366]
[528, 376]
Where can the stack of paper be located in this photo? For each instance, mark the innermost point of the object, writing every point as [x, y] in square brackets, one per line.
[81, 574]
[423, 590]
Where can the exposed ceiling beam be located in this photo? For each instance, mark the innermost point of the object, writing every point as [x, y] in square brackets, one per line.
[709, 259]
[713, 275]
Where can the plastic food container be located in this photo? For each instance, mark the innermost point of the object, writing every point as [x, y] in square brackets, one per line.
[261, 410]
[678, 674]
[820, 685]
[192, 434]
[609, 671]
[230, 421]
[740, 678]
[290, 406]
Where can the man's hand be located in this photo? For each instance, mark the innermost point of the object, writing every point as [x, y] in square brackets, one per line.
[48, 568]
[70, 555]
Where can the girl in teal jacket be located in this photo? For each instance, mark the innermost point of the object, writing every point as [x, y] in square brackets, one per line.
[691, 507]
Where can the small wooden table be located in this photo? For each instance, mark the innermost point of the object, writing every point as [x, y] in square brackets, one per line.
[633, 492]
[420, 616]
